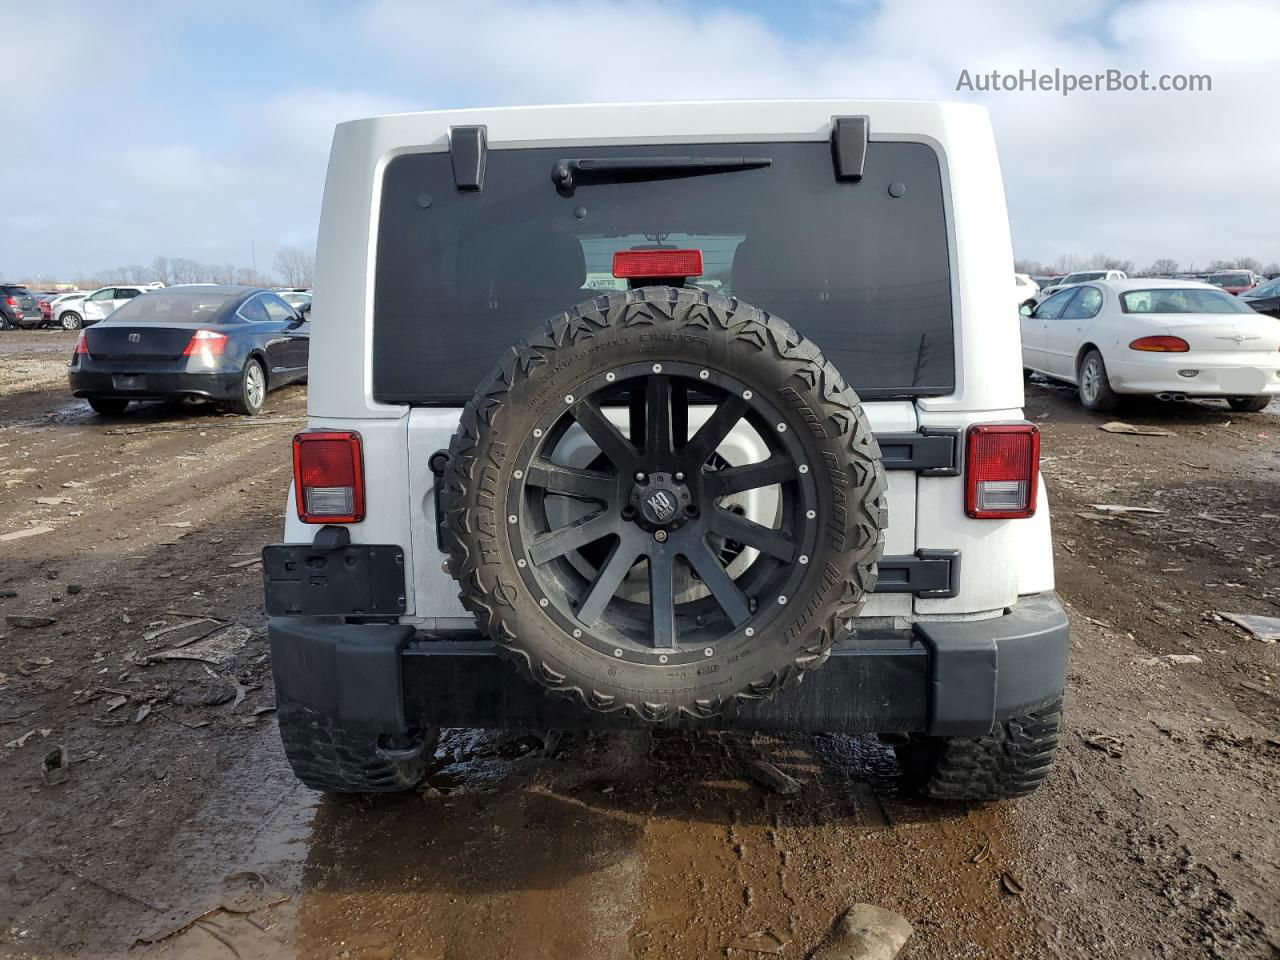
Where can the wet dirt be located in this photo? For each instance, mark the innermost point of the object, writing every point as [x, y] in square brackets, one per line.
[179, 831]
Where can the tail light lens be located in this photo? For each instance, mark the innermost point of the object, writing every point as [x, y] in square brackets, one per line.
[1160, 345]
[206, 343]
[1002, 467]
[12, 301]
[82, 345]
[328, 477]
[657, 263]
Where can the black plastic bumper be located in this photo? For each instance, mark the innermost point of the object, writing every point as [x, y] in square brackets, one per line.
[155, 385]
[945, 678]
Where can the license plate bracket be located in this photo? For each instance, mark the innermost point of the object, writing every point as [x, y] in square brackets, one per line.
[128, 381]
[359, 579]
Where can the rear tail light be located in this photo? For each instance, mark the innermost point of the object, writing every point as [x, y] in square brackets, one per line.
[1002, 466]
[1160, 345]
[328, 477]
[82, 345]
[657, 263]
[206, 343]
[12, 301]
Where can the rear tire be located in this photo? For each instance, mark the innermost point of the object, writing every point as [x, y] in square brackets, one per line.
[70, 321]
[326, 757]
[1249, 404]
[1094, 388]
[1011, 761]
[253, 390]
[108, 406]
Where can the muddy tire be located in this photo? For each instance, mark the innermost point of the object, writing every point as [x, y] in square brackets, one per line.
[253, 390]
[659, 623]
[1093, 387]
[108, 406]
[1011, 761]
[1250, 404]
[325, 757]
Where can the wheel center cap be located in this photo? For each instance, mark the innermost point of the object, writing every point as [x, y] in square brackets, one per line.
[660, 501]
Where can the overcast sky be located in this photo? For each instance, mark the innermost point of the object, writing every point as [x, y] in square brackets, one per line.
[196, 129]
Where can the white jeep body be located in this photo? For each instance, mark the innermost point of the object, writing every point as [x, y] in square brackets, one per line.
[1002, 559]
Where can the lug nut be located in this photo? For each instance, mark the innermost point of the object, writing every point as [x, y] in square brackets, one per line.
[640, 477]
[660, 536]
[679, 475]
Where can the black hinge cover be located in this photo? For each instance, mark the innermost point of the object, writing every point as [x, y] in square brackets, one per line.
[930, 574]
[468, 148]
[849, 145]
[437, 463]
[931, 451]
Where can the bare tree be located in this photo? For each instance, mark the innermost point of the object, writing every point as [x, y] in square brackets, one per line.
[1028, 267]
[1271, 269]
[296, 265]
[1249, 263]
[1164, 267]
[160, 270]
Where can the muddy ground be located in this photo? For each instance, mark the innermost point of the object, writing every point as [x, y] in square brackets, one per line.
[176, 830]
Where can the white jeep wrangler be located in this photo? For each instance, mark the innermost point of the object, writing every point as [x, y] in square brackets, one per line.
[688, 414]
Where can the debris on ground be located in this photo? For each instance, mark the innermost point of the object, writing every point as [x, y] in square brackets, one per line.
[1123, 508]
[1266, 629]
[185, 625]
[1118, 426]
[21, 534]
[215, 646]
[1112, 746]
[762, 942]
[29, 622]
[865, 932]
[1011, 884]
[20, 741]
[1172, 658]
[55, 766]
[766, 774]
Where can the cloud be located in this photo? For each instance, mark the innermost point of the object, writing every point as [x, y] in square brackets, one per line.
[210, 132]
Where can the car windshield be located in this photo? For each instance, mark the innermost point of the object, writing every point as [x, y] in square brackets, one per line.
[173, 306]
[1083, 277]
[1269, 289]
[1175, 300]
[1230, 280]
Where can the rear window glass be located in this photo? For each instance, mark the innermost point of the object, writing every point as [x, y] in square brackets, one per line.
[463, 275]
[172, 306]
[1181, 301]
[1230, 280]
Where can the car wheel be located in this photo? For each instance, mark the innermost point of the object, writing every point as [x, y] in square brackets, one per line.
[651, 595]
[253, 389]
[1249, 404]
[1094, 387]
[70, 320]
[4, 322]
[108, 406]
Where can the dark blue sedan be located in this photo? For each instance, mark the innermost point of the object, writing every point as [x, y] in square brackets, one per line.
[225, 344]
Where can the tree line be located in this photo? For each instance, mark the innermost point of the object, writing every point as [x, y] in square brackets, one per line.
[1164, 267]
[294, 267]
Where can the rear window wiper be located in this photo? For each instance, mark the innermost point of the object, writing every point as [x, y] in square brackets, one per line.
[567, 174]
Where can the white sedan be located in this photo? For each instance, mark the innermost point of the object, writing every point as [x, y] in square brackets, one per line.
[1167, 338]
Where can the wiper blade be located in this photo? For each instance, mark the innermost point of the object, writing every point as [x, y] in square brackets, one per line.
[568, 174]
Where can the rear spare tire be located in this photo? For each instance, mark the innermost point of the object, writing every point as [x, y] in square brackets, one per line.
[674, 575]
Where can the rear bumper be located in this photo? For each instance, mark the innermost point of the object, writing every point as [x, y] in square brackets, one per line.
[943, 678]
[1212, 377]
[154, 385]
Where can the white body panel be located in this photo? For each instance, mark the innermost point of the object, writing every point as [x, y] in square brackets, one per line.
[1001, 558]
[1231, 354]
